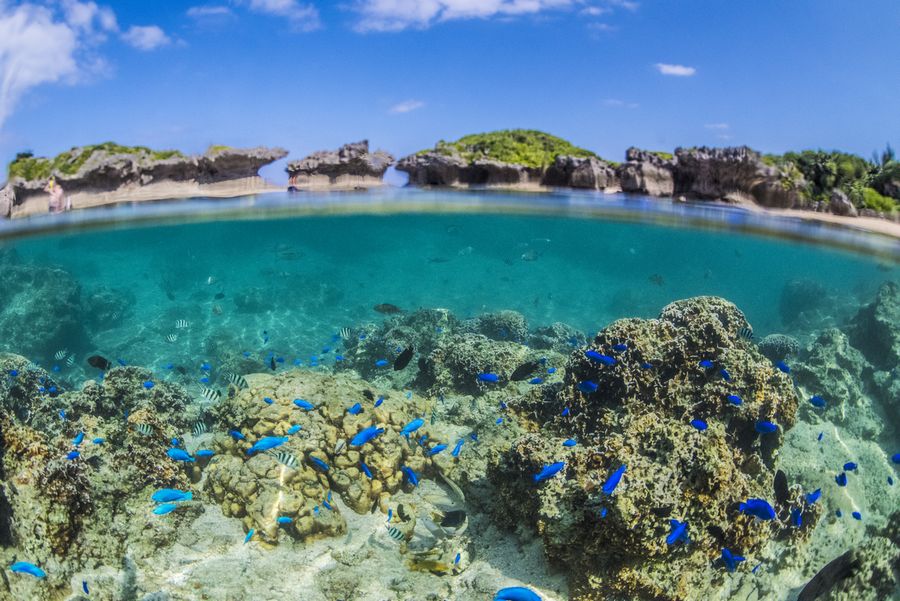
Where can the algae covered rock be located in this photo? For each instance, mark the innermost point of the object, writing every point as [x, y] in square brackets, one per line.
[312, 464]
[876, 328]
[78, 467]
[671, 405]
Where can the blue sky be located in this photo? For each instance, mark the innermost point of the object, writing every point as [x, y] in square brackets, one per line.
[308, 74]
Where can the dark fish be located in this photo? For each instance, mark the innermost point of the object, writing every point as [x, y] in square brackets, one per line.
[388, 309]
[782, 495]
[403, 358]
[717, 533]
[369, 394]
[453, 519]
[838, 569]
[99, 362]
[524, 370]
[746, 332]
[272, 363]
[219, 295]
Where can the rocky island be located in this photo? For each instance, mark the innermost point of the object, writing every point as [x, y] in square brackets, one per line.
[826, 182]
[351, 166]
[110, 173]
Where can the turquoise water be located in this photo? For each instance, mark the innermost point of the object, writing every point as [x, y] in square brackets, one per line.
[256, 288]
[303, 279]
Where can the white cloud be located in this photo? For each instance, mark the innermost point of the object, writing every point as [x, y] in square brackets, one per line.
[407, 106]
[56, 42]
[304, 17]
[146, 37]
[675, 70]
[616, 103]
[595, 11]
[200, 12]
[396, 15]
[626, 4]
[85, 16]
[34, 49]
[717, 126]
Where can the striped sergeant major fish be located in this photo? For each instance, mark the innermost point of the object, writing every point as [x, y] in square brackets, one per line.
[237, 380]
[211, 394]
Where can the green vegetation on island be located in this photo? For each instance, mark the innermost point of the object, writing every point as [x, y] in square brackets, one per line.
[527, 147]
[31, 168]
[867, 183]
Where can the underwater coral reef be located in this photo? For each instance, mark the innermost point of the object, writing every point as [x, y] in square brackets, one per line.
[666, 458]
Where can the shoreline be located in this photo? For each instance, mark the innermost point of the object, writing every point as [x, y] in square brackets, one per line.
[248, 186]
[37, 205]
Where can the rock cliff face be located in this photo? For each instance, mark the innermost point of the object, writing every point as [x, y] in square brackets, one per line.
[581, 172]
[351, 165]
[6, 201]
[441, 169]
[646, 172]
[722, 173]
[106, 176]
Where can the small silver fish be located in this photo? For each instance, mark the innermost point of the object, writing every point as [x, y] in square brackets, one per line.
[395, 533]
[346, 333]
[181, 324]
[70, 361]
[746, 332]
[144, 429]
[171, 337]
[114, 316]
[284, 458]
[199, 429]
[211, 394]
[238, 380]
[339, 446]
[60, 355]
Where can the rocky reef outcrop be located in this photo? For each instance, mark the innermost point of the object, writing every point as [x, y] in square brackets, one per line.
[632, 398]
[588, 173]
[509, 159]
[645, 172]
[76, 467]
[732, 173]
[351, 165]
[108, 173]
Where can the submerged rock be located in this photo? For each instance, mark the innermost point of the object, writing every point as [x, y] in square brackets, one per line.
[778, 347]
[647, 384]
[352, 165]
[875, 330]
